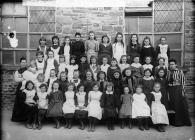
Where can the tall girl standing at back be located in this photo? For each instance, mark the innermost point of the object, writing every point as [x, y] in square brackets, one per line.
[65, 49]
[55, 47]
[91, 46]
[118, 47]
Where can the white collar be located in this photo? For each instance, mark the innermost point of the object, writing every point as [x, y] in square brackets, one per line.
[149, 78]
[109, 92]
[148, 46]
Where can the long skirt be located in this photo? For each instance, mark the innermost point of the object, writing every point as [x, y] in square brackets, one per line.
[81, 113]
[179, 105]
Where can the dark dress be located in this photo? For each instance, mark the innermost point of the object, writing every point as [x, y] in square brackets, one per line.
[109, 104]
[132, 51]
[63, 85]
[77, 49]
[178, 103]
[56, 100]
[88, 84]
[83, 67]
[104, 52]
[110, 73]
[163, 90]
[148, 52]
[118, 88]
[102, 86]
[157, 68]
[147, 89]
[126, 106]
[130, 82]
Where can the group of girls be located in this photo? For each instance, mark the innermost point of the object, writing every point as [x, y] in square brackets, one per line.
[93, 81]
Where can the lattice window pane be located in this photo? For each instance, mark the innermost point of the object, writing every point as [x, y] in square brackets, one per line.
[5, 42]
[21, 24]
[145, 24]
[42, 19]
[22, 40]
[8, 57]
[34, 41]
[168, 15]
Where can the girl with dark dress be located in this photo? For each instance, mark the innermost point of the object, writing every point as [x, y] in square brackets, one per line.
[125, 112]
[105, 49]
[83, 67]
[161, 78]
[133, 49]
[102, 81]
[30, 108]
[63, 81]
[148, 84]
[113, 67]
[118, 85]
[147, 50]
[176, 88]
[77, 48]
[18, 114]
[89, 81]
[109, 105]
[55, 102]
[81, 101]
[161, 65]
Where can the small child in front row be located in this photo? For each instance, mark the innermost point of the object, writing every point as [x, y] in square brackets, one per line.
[81, 101]
[126, 107]
[55, 103]
[42, 104]
[104, 67]
[140, 108]
[159, 113]
[69, 106]
[109, 105]
[94, 108]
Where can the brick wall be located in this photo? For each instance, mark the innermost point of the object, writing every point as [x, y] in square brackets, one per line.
[189, 60]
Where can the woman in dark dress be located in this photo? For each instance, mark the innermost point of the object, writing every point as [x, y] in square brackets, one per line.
[18, 110]
[133, 49]
[105, 50]
[77, 48]
[176, 85]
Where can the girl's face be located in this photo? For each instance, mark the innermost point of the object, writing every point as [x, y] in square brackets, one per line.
[126, 90]
[119, 38]
[40, 58]
[147, 74]
[76, 74]
[161, 73]
[40, 78]
[83, 59]
[55, 86]
[134, 38]
[105, 40]
[93, 61]
[23, 63]
[30, 86]
[81, 89]
[72, 61]
[67, 40]
[172, 65]
[42, 42]
[91, 36]
[109, 88]
[146, 42]
[70, 88]
[138, 90]
[88, 75]
[116, 75]
[95, 88]
[77, 37]
[105, 61]
[136, 60]
[124, 60]
[128, 72]
[163, 41]
[43, 89]
[32, 64]
[102, 76]
[52, 73]
[63, 77]
[161, 62]
[55, 41]
[50, 54]
[156, 87]
[61, 60]
[113, 63]
[148, 60]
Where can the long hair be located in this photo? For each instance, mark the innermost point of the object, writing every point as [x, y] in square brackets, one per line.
[104, 37]
[92, 32]
[115, 40]
[150, 43]
[28, 82]
[92, 77]
[137, 41]
[98, 75]
[56, 38]
[42, 39]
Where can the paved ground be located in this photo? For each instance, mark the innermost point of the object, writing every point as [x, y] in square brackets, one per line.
[17, 131]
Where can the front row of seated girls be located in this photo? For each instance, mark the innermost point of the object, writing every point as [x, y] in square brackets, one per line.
[102, 101]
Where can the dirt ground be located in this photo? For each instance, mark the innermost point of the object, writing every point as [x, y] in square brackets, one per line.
[17, 131]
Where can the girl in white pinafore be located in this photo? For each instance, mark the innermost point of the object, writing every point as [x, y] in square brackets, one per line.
[69, 106]
[118, 47]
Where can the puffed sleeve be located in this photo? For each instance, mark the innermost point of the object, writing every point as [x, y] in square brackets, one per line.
[18, 77]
